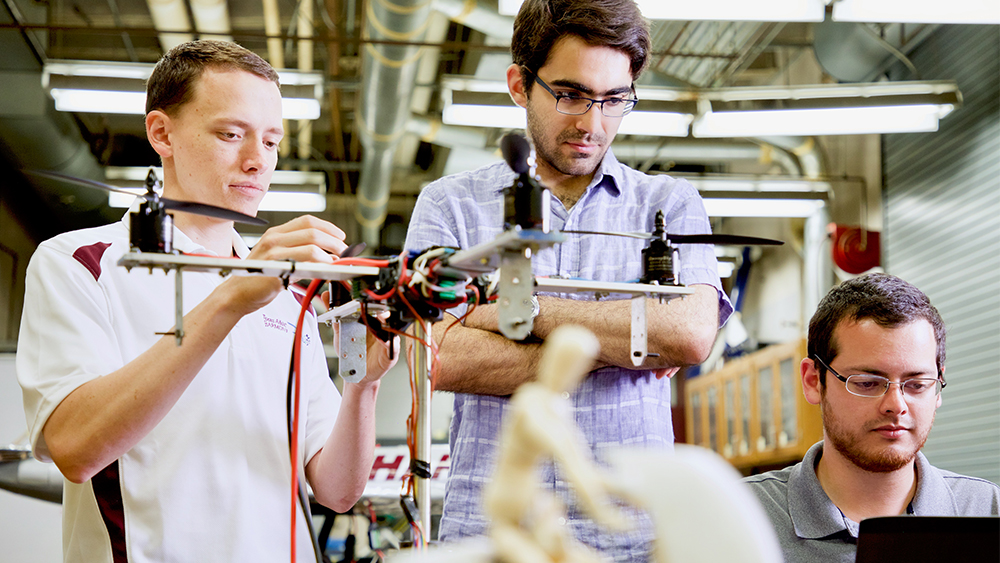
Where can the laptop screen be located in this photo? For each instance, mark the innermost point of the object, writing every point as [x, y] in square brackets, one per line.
[929, 539]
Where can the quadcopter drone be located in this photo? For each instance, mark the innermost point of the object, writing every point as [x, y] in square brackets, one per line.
[386, 295]
[422, 285]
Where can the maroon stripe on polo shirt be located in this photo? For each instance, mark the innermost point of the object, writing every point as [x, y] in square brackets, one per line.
[299, 297]
[108, 492]
[90, 257]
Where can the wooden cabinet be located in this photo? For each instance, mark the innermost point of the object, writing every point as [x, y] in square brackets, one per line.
[752, 411]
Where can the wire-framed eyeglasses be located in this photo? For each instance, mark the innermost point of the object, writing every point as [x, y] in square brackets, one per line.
[867, 385]
[574, 104]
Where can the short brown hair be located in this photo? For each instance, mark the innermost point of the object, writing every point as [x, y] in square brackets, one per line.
[885, 299]
[606, 23]
[172, 82]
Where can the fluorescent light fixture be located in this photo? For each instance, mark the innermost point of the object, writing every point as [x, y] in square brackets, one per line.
[107, 101]
[760, 196]
[748, 207]
[826, 121]
[884, 107]
[99, 101]
[295, 202]
[825, 109]
[729, 10]
[510, 7]
[658, 124]
[758, 184]
[98, 69]
[299, 108]
[910, 11]
[291, 190]
[503, 117]
[94, 87]
[735, 10]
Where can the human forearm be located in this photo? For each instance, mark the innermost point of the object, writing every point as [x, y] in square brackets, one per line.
[679, 332]
[339, 472]
[481, 361]
[104, 418]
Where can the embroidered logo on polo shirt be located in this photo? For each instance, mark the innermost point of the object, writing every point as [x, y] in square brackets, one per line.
[284, 326]
[279, 324]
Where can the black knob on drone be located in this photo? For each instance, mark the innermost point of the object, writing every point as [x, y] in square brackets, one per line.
[524, 200]
[516, 150]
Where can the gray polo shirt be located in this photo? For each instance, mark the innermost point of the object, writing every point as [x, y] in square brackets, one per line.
[811, 528]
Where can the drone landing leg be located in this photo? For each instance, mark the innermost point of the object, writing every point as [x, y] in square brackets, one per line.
[639, 350]
[421, 365]
[516, 289]
[353, 363]
[179, 305]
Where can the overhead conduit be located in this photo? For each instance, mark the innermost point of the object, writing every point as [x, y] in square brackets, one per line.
[388, 71]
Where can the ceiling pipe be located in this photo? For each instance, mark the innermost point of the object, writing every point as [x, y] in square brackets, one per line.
[276, 56]
[423, 91]
[817, 256]
[338, 150]
[272, 27]
[435, 132]
[33, 135]
[388, 76]
[811, 160]
[211, 19]
[170, 16]
[305, 52]
[484, 20]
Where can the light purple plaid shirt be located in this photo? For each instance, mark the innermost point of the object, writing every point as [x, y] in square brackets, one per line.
[612, 406]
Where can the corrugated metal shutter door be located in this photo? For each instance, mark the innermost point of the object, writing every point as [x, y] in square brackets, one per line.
[942, 202]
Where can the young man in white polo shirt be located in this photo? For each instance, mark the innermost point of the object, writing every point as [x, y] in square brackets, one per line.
[180, 453]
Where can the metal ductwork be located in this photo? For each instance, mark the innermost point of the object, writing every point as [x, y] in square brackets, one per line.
[817, 270]
[484, 20]
[811, 161]
[170, 16]
[33, 135]
[856, 52]
[388, 73]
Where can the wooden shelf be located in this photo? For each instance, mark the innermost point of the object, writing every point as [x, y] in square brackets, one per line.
[752, 411]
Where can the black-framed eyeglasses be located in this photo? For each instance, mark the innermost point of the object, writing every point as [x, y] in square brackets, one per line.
[867, 385]
[574, 104]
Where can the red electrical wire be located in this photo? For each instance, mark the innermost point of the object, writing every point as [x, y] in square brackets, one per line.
[297, 376]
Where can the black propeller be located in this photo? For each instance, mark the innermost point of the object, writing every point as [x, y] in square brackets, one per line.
[659, 259]
[154, 199]
[708, 238]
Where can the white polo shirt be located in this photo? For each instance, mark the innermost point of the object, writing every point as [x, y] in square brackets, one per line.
[211, 481]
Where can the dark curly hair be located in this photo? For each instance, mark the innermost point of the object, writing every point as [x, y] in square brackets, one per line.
[885, 299]
[607, 23]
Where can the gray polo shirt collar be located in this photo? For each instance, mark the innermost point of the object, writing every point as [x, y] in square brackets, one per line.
[934, 496]
[814, 515]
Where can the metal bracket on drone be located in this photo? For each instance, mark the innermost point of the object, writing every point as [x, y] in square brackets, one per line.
[225, 266]
[638, 291]
[352, 340]
[511, 252]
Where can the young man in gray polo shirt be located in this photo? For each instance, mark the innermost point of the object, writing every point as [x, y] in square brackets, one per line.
[884, 344]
